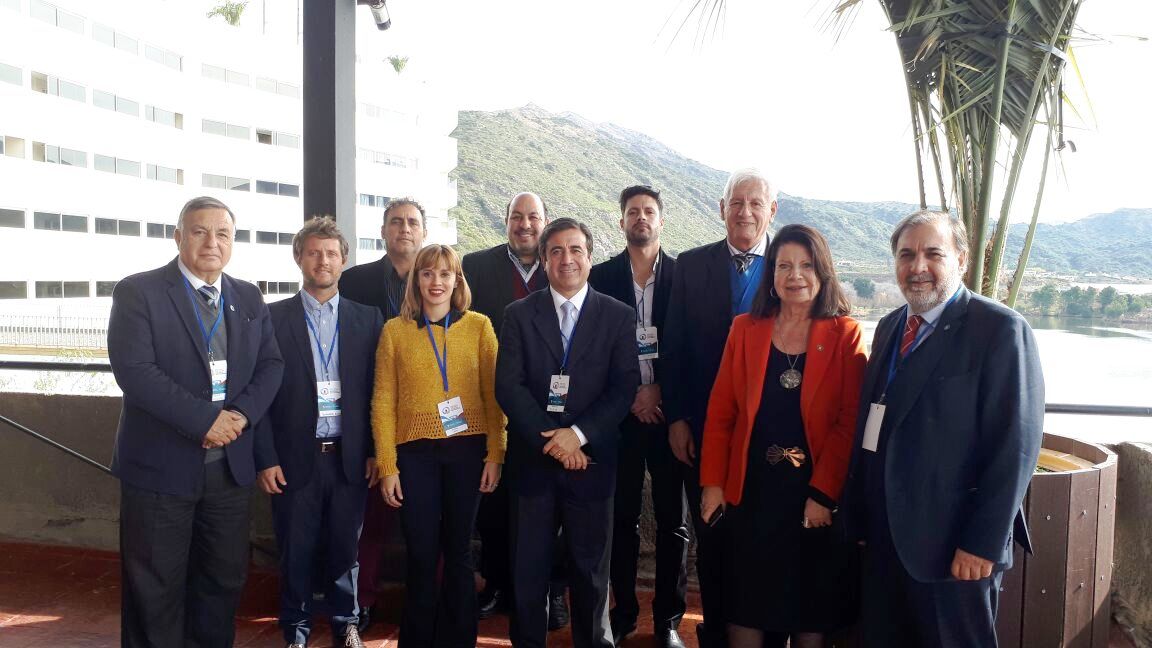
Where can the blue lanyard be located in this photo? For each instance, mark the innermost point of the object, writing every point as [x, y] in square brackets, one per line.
[441, 363]
[331, 346]
[208, 334]
[893, 365]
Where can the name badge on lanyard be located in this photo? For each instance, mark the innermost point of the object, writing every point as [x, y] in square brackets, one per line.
[647, 342]
[328, 398]
[872, 427]
[452, 416]
[558, 392]
[219, 371]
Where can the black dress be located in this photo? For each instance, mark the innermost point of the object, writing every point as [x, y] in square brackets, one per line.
[779, 576]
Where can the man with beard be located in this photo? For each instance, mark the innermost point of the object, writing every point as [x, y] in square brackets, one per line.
[641, 277]
[499, 276]
[950, 425]
[382, 284]
[713, 284]
[314, 448]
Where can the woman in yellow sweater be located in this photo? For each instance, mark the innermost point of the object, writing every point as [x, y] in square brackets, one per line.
[440, 441]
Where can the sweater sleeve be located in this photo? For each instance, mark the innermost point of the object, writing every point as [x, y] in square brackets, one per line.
[494, 417]
[384, 401]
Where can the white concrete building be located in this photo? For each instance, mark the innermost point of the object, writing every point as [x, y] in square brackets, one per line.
[113, 114]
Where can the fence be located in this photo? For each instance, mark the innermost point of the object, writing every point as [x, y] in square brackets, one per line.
[54, 331]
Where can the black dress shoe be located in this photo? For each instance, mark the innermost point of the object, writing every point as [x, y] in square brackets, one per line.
[557, 612]
[668, 638]
[364, 619]
[490, 601]
[621, 629]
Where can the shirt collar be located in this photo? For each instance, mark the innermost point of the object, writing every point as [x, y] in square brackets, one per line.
[757, 249]
[456, 315]
[197, 282]
[312, 304]
[652, 277]
[932, 314]
[577, 299]
[515, 259]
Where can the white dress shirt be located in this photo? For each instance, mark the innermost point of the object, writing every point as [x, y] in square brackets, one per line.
[577, 301]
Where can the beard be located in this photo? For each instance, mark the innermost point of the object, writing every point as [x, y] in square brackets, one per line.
[638, 236]
[522, 249]
[942, 289]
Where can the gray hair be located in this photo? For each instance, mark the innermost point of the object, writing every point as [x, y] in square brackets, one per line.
[203, 202]
[749, 173]
[400, 202]
[930, 217]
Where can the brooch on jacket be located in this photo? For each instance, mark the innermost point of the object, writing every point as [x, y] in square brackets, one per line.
[794, 455]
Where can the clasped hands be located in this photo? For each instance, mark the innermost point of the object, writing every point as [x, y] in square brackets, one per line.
[564, 446]
[227, 427]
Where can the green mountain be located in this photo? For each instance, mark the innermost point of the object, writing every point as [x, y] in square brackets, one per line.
[579, 168]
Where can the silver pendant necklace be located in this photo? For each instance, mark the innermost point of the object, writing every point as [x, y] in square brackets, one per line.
[791, 377]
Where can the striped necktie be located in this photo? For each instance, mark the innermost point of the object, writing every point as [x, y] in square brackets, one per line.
[208, 292]
[910, 331]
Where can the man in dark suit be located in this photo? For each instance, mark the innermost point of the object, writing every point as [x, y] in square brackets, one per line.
[314, 448]
[499, 276]
[950, 425]
[566, 375]
[641, 277]
[194, 353]
[382, 284]
[712, 284]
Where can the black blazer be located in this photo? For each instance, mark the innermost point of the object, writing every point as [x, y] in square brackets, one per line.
[614, 278]
[364, 284]
[699, 317]
[961, 435]
[489, 275]
[287, 435]
[156, 350]
[604, 374]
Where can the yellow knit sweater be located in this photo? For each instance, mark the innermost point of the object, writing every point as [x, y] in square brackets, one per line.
[408, 385]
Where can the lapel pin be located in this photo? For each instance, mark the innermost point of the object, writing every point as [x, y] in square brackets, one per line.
[231, 308]
[819, 347]
[947, 326]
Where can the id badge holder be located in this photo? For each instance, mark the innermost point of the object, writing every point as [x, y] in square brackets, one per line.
[558, 392]
[872, 427]
[328, 398]
[647, 342]
[219, 372]
[452, 416]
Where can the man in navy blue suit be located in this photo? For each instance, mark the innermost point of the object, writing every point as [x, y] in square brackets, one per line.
[950, 425]
[566, 375]
[314, 448]
[194, 353]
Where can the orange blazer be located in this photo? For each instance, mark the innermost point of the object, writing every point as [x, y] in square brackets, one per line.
[829, 395]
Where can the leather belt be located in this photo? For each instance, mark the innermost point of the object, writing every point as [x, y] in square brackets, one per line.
[328, 445]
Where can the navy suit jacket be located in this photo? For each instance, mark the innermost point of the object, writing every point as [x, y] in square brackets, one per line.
[699, 318]
[156, 350]
[614, 278]
[287, 435]
[961, 434]
[605, 373]
[365, 284]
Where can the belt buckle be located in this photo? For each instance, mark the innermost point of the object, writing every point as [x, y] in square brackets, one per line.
[327, 446]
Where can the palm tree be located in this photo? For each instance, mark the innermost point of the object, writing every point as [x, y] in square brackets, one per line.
[229, 11]
[398, 62]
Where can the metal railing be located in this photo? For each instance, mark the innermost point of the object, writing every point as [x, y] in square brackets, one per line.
[54, 331]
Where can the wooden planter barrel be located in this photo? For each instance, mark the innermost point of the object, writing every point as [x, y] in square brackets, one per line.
[1059, 596]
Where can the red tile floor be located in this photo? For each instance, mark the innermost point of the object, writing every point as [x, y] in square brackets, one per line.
[68, 597]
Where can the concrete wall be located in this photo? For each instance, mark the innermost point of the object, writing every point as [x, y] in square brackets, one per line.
[1132, 577]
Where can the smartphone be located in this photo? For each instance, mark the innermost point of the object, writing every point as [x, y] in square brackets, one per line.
[717, 515]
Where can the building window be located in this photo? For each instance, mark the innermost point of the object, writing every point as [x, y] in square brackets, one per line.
[267, 238]
[105, 288]
[71, 223]
[58, 155]
[155, 230]
[366, 244]
[109, 101]
[214, 181]
[165, 174]
[229, 130]
[11, 74]
[114, 227]
[75, 289]
[48, 84]
[243, 236]
[218, 73]
[60, 222]
[12, 218]
[55, 16]
[113, 38]
[370, 200]
[266, 136]
[57, 289]
[129, 228]
[13, 290]
[288, 90]
[286, 238]
[115, 165]
[163, 57]
[12, 146]
[278, 287]
[277, 188]
[165, 117]
[106, 226]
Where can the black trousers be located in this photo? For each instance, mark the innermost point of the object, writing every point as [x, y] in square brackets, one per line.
[183, 563]
[317, 531]
[710, 544]
[440, 479]
[644, 449]
[492, 524]
[587, 536]
[901, 612]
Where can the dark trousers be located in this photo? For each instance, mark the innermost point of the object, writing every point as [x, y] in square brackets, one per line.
[183, 563]
[710, 544]
[644, 448]
[440, 480]
[587, 535]
[317, 529]
[493, 524]
[379, 521]
[901, 612]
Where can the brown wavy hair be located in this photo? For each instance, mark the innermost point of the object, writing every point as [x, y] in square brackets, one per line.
[829, 302]
[430, 257]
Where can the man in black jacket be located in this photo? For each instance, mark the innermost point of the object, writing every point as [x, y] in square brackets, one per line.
[641, 277]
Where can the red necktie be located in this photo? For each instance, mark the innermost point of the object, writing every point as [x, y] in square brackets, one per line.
[910, 331]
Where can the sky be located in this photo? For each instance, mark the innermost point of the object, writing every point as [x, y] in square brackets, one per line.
[770, 87]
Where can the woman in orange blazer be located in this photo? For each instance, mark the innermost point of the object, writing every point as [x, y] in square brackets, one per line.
[777, 441]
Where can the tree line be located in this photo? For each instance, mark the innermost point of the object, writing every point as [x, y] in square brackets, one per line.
[1087, 302]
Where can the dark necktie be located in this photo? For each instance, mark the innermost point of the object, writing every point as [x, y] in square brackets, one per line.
[742, 261]
[910, 331]
[208, 292]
